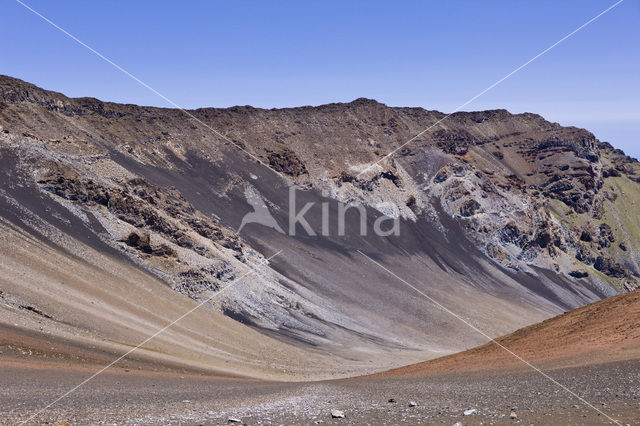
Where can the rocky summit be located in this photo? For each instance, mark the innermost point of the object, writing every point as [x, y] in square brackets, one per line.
[117, 218]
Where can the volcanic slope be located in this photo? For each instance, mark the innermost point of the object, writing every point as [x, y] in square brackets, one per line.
[505, 219]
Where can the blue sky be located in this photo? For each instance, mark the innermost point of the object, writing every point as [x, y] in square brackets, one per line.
[435, 55]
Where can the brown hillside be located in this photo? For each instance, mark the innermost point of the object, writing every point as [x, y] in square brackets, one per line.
[604, 331]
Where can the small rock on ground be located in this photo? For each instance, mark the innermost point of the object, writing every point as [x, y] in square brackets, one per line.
[337, 414]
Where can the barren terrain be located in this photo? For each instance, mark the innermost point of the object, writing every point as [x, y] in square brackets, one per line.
[117, 220]
[600, 363]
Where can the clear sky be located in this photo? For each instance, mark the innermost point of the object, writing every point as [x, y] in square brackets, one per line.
[433, 54]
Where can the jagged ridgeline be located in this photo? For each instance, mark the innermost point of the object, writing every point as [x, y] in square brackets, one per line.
[504, 216]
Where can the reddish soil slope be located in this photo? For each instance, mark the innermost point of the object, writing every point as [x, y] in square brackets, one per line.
[605, 331]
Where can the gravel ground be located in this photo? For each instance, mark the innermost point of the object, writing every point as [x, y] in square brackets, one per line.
[121, 397]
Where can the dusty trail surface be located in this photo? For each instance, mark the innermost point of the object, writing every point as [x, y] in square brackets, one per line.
[166, 398]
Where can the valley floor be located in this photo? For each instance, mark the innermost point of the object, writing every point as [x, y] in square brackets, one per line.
[138, 397]
[593, 351]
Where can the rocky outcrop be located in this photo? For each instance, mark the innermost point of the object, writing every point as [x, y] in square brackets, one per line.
[469, 208]
[286, 162]
[453, 142]
[142, 242]
[167, 232]
[609, 267]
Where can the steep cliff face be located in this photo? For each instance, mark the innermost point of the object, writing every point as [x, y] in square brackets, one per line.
[505, 218]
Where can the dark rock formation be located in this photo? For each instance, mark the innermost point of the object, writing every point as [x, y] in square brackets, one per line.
[609, 267]
[287, 162]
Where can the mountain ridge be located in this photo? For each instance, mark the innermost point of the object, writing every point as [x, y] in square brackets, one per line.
[508, 219]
